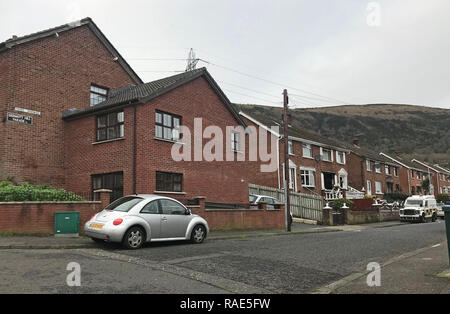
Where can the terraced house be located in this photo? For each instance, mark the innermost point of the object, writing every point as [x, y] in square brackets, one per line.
[440, 177]
[317, 165]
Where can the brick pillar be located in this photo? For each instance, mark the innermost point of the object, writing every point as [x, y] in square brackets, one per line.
[104, 195]
[201, 200]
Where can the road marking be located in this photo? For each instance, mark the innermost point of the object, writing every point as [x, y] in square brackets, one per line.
[436, 245]
[213, 280]
[194, 258]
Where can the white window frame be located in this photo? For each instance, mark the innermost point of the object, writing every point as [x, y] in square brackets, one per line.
[322, 154]
[235, 141]
[380, 185]
[309, 173]
[343, 157]
[395, 171]
[368, 165]
[377, 169]
[290, 148]
[387, 170]
[344, 175]
[308, 147]
[369, 187]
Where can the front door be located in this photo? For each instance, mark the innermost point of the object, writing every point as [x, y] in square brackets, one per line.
[174, 220]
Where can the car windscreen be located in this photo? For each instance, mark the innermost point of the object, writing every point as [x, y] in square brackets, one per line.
[415, 203]
[252, 198]
[124, 204]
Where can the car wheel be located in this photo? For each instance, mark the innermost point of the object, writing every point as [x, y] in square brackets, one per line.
[134, 238]
[198, 234]
[423, 219]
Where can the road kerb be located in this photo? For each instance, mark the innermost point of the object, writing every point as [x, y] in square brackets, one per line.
[330, 288]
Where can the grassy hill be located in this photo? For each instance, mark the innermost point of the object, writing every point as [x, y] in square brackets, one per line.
[416, 131]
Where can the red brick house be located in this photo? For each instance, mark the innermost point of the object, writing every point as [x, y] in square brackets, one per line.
[411, 175]
[373, 173]
[42, 75]
[440, 177]
[125, 143]
[316, 165]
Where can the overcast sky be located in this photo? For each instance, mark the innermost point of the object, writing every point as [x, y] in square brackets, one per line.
[325, 52]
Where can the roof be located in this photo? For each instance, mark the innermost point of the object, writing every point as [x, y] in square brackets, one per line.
[404, 162]
[11, 43]
[143, 93]
[442, 168]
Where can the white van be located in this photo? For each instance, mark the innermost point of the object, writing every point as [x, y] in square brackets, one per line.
[419, 208]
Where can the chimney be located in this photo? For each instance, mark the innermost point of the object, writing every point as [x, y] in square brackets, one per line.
[356, 141]
[14, 37]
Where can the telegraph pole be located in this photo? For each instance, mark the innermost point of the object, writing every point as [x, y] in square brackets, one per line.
[287, 206]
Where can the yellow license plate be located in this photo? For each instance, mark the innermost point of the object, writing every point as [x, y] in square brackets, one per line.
[96, 226]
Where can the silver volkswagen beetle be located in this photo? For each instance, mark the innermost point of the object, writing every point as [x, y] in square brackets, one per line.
[136, 219]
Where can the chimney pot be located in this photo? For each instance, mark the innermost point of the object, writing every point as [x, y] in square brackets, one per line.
[356, 141]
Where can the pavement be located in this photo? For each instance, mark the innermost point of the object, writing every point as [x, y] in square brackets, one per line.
[52, 242]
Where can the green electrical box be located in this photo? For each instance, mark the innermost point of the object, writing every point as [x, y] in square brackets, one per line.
[66, 223]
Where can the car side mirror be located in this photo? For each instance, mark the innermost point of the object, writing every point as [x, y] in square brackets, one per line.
[188, 212]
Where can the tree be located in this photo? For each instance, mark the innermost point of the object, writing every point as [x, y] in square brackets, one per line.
[426, 186]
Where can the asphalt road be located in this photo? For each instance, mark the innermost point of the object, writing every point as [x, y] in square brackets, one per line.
[297, 263]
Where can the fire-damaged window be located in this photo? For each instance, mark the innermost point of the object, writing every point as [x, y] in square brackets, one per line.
[111, 181]
[166, 126]
[98, 94]
[110, 126]
[169, 182]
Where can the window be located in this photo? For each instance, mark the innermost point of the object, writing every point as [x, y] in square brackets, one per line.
[292, 174]
[166, 126]
[307, 150]
[327, 154]
[340, 157]
[307, 177]
[412, 173]
[124, 204]
[98, 94]
[169, 207]
[396, 171]
[110, 126]
[387, 169]
[369, 187]
[235, 141]
[151, 208]
[378, 188]
[168, 182]
[368, 167]
[418, 175]
[110, 181]
[377, 168]
[290, 148]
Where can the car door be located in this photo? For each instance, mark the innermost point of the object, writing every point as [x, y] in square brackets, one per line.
[174, 219]
[151, 214]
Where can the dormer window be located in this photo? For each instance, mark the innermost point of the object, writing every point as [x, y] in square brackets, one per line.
[98, 94]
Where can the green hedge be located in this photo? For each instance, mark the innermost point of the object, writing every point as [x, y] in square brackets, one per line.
[443, 198]
[337, 204]
[26, 192]
[395, 196]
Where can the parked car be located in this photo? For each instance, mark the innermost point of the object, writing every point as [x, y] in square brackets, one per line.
[135, 219]
[419, 208]
[440, 211]
[255, 200]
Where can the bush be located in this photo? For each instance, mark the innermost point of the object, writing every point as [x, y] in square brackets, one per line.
[443, 198]
[395, 197]
[26, 192]
[337, 204]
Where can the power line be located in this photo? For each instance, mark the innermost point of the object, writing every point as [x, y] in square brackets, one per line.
[249, 89]
[253, 97]
[272, 82]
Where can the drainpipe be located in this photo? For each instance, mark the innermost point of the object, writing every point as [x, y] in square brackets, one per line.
[278, 161]
[134, 149]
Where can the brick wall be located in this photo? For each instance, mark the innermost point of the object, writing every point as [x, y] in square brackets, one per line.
[228, 219]
[49, 75]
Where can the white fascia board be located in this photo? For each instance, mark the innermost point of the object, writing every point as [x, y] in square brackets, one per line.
[425, 165]
[259, 124]
[303, 140]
